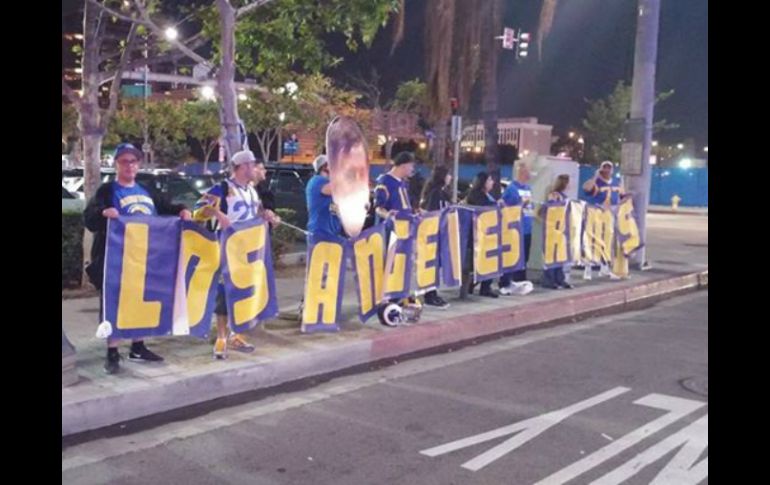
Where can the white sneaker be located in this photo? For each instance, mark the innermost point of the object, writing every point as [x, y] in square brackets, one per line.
[522, 287]
[604, 270]
[587, 273]
[506, 290]
[614, 277]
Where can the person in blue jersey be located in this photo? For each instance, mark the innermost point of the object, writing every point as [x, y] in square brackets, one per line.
[554, 278]
[391, 194]
[322, 222]
[122, 197]
[605, 190]
[233, 200]
[520, 192]
[480, 194]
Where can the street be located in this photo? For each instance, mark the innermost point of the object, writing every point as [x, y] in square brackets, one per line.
[606, 400]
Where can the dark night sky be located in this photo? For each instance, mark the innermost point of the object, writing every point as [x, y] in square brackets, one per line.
[590, 48]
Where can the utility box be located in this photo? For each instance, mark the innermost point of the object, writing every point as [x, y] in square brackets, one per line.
[544, 170]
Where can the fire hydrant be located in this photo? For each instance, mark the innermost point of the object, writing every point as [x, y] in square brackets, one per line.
[675, 202]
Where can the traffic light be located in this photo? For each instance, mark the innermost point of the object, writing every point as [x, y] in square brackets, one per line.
[522, 44]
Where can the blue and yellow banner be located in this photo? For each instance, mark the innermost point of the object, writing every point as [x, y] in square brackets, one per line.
[248, 274]
[140, 276]
[324, 285]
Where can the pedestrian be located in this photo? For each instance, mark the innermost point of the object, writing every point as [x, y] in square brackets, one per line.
[234, 200]
[436, 196]
[123, 196]
[554, 278]
[480, 194]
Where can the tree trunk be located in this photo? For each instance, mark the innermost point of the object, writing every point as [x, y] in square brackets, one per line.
[228, 113]
[440, 142]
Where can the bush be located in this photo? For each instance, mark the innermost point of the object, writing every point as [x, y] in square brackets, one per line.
[71, 249]
[283, 238]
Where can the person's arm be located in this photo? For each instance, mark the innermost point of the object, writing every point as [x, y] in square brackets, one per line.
[380, 199]
[94, 216]
[590, 185]
[208, 207]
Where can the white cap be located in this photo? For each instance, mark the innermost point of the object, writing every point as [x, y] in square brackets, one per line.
[607, 162]
[319, 162]
[242, 157]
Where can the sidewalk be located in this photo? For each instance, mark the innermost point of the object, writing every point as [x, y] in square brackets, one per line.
[666, 209]
[189, 375]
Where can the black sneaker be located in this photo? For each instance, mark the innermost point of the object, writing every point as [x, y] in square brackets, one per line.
[141, 353]
[436, 301]
[112, 364]
[489, 293]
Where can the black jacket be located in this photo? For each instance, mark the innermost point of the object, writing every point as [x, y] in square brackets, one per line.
[436, 199]
[97, 223]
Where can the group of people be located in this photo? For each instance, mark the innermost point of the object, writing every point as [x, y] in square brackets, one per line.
[237, 200]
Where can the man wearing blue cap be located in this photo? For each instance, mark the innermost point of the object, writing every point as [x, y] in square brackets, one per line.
[122, 197]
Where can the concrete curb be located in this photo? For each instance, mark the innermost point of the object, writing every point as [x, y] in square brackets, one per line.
[85, 413]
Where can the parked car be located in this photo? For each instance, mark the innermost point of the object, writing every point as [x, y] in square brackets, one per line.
[71, 203]
[176, 187]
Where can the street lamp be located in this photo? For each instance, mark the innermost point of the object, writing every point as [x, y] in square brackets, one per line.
[572, 134]
[680, 146]
[706, 149]
[171, 33]
[207, 92]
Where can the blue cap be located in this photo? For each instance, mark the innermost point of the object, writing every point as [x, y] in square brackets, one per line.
[128, 148]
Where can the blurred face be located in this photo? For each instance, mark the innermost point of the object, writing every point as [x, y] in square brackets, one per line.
[349, 176]
[447, 179]
[489, 184]
[259, 172]
[245, 172]
[406, 170]
[524, 174]
[127, 165]
[606, 171]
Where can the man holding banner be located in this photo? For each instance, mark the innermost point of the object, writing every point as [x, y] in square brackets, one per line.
[233, 200]
[322, 215]
[604, 190]
[122, 197]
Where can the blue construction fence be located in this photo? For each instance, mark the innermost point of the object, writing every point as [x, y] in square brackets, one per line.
[690, 184]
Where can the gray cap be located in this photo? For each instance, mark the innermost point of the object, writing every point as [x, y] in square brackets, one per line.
[319, 162]
[242, 157]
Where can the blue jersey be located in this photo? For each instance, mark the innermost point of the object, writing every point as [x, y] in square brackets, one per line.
[519, 193]
[132, 200]
[322, 213]
[606, 193]
[391, 193]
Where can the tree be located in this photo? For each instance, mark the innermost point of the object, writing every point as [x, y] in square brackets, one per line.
[166, 123]
[605, 119]
[311, 101]
[202, 125]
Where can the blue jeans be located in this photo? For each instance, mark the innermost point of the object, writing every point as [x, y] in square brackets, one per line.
[554, 277]
[520, 275]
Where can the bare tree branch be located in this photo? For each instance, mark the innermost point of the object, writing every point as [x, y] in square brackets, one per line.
[115, 86]
[250, 7]
[144, 20]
